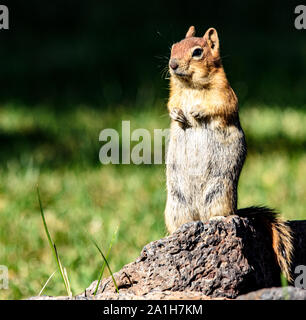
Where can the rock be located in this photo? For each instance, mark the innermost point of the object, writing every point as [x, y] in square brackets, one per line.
[299, 243]
[222, 258]
[165, 295]
[284, 293]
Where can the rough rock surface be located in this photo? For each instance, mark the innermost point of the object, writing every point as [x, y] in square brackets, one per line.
[275, 293]
[285, 293]
[225, 257]
[299, 244]
[165, 295]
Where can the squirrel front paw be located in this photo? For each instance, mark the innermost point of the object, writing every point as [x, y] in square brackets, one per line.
[197, 112]
[177, 114]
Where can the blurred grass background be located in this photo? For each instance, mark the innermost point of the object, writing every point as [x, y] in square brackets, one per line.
[70, 69]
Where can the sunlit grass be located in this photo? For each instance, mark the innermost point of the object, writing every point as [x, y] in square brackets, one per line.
[265, 122]
[61, 269]
[59, 151]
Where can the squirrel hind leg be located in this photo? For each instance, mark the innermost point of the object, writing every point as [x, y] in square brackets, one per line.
[178, 210]
[176, 215]
[217, 218]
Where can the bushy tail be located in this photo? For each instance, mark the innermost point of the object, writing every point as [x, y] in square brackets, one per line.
[280, 233]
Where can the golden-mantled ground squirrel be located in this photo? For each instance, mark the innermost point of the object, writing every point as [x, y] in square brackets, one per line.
[207, 145]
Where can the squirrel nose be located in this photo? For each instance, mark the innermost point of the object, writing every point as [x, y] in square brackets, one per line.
[173, 64]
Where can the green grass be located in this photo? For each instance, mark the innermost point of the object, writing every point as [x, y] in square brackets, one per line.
[61, 269]
[83, 199]
[105, 262]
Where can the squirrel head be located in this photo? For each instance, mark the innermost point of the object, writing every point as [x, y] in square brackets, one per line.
[194, 59]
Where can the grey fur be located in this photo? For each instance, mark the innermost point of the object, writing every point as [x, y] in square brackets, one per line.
[204, 163]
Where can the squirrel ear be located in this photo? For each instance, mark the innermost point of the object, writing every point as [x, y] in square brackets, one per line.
[211, 36]
[191, 32]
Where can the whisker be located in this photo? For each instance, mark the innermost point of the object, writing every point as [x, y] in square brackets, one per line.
[226, 56]
[164, 115]
[165, 73]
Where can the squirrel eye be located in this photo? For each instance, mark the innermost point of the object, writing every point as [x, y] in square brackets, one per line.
[197, 52]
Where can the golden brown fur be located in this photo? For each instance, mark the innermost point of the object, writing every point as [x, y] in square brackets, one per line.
[207, 147]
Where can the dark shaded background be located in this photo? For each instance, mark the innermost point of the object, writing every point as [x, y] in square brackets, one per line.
[103, 53]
